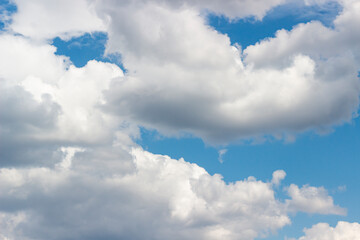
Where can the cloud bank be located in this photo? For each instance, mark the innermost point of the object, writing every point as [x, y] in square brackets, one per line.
[70, 170]
[165, 198]
[185, 77]
[69, 167]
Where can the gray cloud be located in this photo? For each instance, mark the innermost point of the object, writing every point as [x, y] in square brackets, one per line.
[23, 119]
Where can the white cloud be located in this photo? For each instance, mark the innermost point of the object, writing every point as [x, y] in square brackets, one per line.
[36, 60]
[166, 198]
[185, 77]
[96, 188]
[48, 19]
[182, 76]
[44, 77]
[277, 176]
[342, 231]
[46, 101]
[112, 192]
[312, 200]
[222, 152]
[43, 19]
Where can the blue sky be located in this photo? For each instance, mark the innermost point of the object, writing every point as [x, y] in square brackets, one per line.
[329, 159]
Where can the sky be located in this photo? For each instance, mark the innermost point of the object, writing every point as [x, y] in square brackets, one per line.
[138, 119]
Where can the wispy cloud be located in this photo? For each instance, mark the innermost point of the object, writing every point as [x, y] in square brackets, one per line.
[222, 152]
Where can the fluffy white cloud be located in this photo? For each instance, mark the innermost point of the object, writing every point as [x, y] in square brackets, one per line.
[312, 200]
[36, 60]
[185, 76]
[277, 176]
[43, 19]
[131, 189]
[337, 47]
[342, 231]
[48, 19]
[44, 78]
[46, 101]
[182, 76]
[182, 201]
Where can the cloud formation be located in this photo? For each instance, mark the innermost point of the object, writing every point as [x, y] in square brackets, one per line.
[342, 231]
[48, 102]
[69, 166]
[312, 200]
[183, 76]
[70, 170]
[164, 197]
[49, 19]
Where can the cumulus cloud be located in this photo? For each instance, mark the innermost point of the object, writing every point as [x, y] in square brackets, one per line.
[312, 200]
[47, 102]
[164, 197]
[337, 46]
[342, 231]
[69, 166]
[48, 19]
[185, 199]
[183, 76]
[43, 19]
[277, 176]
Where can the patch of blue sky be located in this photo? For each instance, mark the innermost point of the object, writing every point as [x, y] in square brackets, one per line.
[80, 50]
[327, 160]
[6, 9]
[249, 31]
[90, 46]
